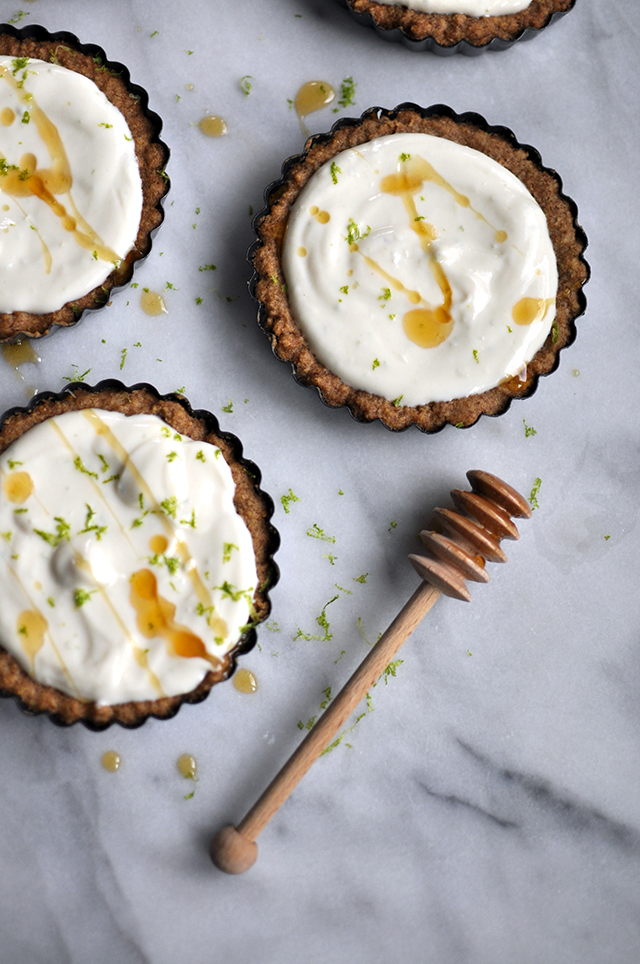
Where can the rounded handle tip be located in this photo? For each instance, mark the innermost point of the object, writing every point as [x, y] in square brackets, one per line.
[231, 852]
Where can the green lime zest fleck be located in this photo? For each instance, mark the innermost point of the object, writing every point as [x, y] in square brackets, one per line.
[287, 499]
[81, 596]
[335, 170]
[315, 532]
[229, 590]
[528, 429]
[533, 498]
[347, 93]
[245, 84]
[353, 232]
[63, 530]
[227, 548]
[99, 530]
[169, 506]
[322, 622]
[228, 407]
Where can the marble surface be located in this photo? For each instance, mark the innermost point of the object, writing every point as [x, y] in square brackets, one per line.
[486, 809]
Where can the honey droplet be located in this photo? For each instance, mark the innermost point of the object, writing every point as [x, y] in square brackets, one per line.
[7, 116]
[313, 96]
[152, 303]
[18, 487]
[111, 761]
[302, 252]
[530, 310]
[187, 766]
[245, 681]
[213, 126]
[322, 217]
[31, 626]
[158, 544]
[517, 382]
[20, 353]
[427, 327]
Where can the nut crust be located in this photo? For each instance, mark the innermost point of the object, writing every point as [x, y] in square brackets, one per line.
[447, 30]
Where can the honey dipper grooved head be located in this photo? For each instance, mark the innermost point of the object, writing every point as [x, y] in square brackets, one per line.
[473, 534]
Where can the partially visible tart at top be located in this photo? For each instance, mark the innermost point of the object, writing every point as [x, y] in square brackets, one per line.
[81, 179]
[419, 267]
[465, 26]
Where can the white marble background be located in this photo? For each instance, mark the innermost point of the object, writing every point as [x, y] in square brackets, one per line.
[487, 809]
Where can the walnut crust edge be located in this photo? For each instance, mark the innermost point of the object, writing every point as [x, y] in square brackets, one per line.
[471, 130]
[254, 505]
[448, 30]
[151, 153]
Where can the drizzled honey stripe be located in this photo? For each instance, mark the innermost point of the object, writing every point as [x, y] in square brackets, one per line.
[190, 567]
[34, 608]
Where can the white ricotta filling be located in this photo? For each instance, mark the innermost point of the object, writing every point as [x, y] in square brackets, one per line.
[125, 570]
[473, 8]
[420, 270]
[70, 189]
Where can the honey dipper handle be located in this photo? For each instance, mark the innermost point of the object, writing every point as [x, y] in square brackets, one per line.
[233, 849]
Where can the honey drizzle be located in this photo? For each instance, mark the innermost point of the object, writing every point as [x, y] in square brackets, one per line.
[46, 183]
[529, 311]
[31, 626]
[425, 326]
[100, 427]
[155, 617]
[34, 609]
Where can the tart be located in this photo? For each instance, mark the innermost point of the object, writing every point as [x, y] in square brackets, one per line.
[136, 552]
[458, 26]
[418, 267]
[81, 179]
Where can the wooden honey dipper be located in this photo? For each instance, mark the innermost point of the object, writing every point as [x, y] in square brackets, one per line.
[453, 557]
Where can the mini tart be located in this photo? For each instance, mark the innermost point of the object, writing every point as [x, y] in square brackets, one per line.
[113, 80]
[269, 288]
[253, 505]
[456, 32]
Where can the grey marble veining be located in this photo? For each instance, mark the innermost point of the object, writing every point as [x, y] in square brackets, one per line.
[486, 808]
